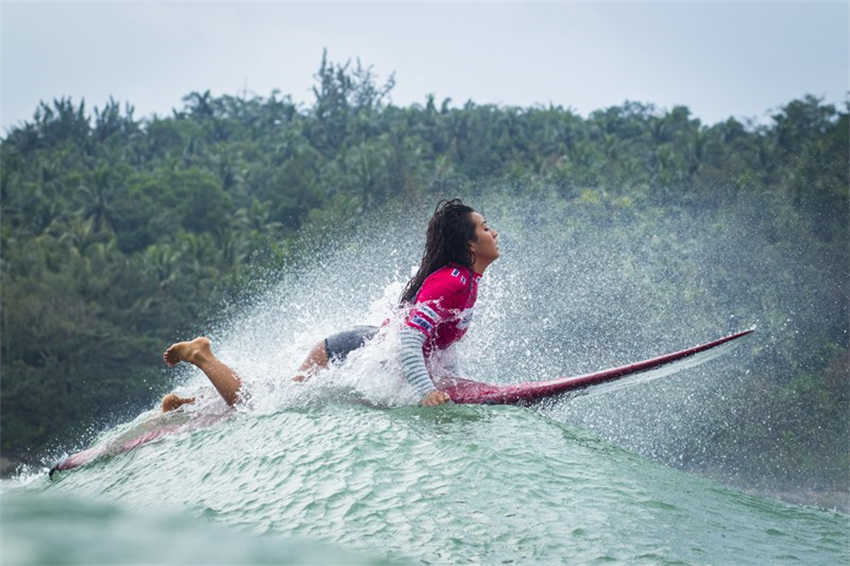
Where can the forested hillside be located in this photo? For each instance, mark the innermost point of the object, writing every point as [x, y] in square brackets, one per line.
[120, 234]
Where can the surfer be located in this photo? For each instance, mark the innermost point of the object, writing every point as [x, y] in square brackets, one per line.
[459, 246]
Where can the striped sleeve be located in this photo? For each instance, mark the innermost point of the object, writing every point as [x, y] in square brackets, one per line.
[413, 361]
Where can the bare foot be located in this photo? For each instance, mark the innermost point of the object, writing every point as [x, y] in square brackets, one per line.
[172, 401]
[186, 351]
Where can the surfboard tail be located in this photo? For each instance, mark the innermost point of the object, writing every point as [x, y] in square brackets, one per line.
[125, 444]
[77, 460]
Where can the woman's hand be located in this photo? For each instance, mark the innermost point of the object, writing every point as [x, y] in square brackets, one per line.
[435, 398]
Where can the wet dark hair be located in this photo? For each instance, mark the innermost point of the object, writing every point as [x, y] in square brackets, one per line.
[447, 240]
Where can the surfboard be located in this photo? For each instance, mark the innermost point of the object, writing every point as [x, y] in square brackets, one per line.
[131, 440]
[527, 393]
[464, 391]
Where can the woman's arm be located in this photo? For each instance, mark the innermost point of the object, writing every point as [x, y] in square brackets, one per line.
[435, 303]
[414, 369]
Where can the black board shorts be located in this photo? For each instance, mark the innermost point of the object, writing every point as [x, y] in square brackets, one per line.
[339, 345]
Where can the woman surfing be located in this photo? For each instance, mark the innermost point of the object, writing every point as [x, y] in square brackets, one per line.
[459, 246]
[437, 302]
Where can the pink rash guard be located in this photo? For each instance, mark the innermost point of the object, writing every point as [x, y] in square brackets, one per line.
[440, 316]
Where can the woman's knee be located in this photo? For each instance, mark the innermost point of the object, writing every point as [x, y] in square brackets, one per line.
[319, 354]
[317, 358]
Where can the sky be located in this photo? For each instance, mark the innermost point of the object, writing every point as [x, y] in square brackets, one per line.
[719, 59]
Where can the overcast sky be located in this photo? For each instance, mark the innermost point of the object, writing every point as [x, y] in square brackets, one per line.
[719, 59]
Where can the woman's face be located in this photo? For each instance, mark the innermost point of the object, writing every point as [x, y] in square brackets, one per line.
[486, 245]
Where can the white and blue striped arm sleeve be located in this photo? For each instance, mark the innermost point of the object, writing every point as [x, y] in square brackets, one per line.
[413, 361]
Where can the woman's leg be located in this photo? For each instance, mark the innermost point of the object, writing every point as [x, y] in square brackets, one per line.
[316, 359]
[338, 346]
[199, 353]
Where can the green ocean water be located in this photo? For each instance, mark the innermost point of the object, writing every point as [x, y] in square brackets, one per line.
[347, 482]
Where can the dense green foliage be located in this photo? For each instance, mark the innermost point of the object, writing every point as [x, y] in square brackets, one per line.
[109, 222]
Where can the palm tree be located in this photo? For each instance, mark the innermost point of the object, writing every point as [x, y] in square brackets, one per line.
[96, 197]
